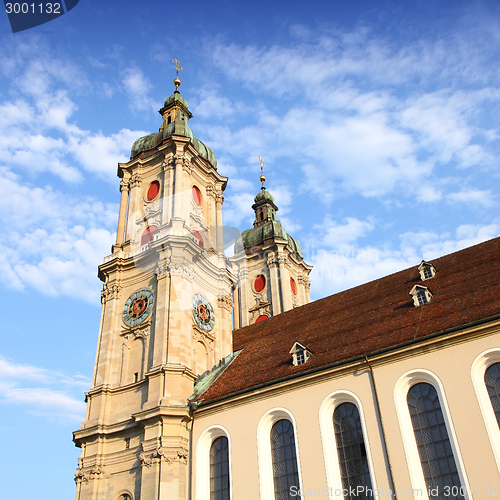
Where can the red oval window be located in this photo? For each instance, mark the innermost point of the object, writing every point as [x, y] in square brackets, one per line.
[196, 195]
[262, 317]
[259, 283]
[197, 235]
[148, 235]
[293, 286]
[154, 189]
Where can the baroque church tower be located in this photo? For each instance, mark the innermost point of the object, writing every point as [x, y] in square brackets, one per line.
[272, 274]
[166, 317]
[167, 311]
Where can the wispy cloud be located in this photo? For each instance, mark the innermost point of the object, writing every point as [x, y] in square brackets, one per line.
[137, 87]
[42, 392]
[61, 242]
[353, 262]
[373, 118]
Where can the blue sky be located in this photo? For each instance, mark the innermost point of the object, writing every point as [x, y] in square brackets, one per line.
[377, 121]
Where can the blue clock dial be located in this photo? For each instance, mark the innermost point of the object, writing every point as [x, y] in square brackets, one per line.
[138, 307]
[203, 312]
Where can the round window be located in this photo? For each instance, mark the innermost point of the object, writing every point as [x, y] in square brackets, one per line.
[196, 195]
[153, 190]
[259, 283]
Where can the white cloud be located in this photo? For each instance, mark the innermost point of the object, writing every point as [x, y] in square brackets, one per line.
[137, 87]
[100, 154]
[476, 197]
[354, 264]
[211, 104]
[238, 209]
[334, 235]
[431, 245]
[52, 243]
[40, 391]
[371, 117]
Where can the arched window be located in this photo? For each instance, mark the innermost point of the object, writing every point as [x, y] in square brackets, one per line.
[434, 447]
[492, 381]
[351, 450]
[219, 469]
[285, 470]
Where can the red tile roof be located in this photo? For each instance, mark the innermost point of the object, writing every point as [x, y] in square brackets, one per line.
[366, 319]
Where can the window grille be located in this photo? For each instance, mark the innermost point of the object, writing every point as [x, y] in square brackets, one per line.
[351, 451]
[434, 447]
[427, 272]
[422, 298]
[301, 359]
[219, 469]
[285, 470]
[492, 381]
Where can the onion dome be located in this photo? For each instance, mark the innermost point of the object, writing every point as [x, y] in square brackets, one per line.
[175, 115]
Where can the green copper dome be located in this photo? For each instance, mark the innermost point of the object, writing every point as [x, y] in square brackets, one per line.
[266, 229]
[252, 240]
[264, 195]
[178, 126]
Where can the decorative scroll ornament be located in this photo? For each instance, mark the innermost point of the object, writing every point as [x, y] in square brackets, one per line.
[211, 191]
[136, 180]
[187, 167]
[109, 292]
[181, 270]
[161, 271]
[226, 302]
[272, 262]
[162, 454]
[82, 476]
[143, 333]
[260, 311]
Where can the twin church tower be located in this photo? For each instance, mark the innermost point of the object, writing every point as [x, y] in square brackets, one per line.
[170, 301]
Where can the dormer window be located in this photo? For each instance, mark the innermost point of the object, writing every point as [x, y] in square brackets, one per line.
[421, 295]
[300, 354]
[426, 270]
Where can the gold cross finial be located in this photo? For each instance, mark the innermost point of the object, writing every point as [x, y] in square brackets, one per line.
[178, 67]
[262, 177]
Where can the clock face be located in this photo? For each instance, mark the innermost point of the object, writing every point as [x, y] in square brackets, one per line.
[138, 307]
[203, 312]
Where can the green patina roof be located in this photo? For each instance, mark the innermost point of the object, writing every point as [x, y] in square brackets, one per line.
[263, 195]
[178, 127]
[205, 380]
[260, 235]
[176, 97]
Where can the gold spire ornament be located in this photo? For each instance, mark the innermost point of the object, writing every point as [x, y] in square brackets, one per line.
[178, 67]
[262, 177]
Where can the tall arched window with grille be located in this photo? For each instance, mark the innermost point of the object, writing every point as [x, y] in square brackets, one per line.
[434, 447]
[284, 456]
[351, 450]
[492, 381]
[219, 469]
